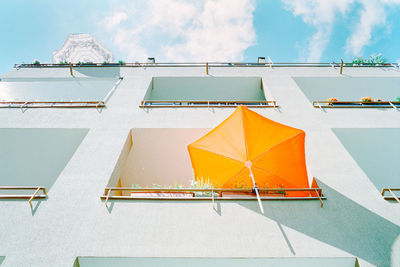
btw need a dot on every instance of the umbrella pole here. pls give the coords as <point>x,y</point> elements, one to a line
<point>256,190</point>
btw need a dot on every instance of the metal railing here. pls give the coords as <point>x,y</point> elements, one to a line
<point>356,104</point>
<point>30,197</point>
<point>61,104</point>
<point>52,104</point>
<point>205,104</point>
<point>210,194</point>
<point>393,195</point>
<point>206,64</point>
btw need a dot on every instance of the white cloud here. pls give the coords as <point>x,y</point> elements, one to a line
<point>372,15</point>
<point>182,30</point>
<point>113,20</point>
<point>323,14</point>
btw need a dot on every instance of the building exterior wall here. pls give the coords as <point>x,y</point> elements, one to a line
<point>355,220</point>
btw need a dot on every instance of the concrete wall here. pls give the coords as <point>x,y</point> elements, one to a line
<point>349,88</point>
<point>160,156</point>
<point>205,88</point>
<point>354,222</point>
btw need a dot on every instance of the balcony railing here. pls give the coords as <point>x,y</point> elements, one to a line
<point>98,104</point>
<point>392,194</point>
<point>204,64</point>
<point>209,194</point>
<point>356,104</point>
<point>205,104</point>
<point>30,197</point>
<point>51,104</point>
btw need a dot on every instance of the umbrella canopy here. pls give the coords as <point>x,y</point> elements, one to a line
<point>246,147</point>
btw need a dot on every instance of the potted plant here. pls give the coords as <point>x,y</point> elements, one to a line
<point>332,100</point>
<point>158,193</point>
<point>366,100</point>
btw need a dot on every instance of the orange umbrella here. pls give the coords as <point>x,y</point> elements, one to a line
<point>248,150</point>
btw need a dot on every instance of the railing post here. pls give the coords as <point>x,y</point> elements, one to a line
<point>393,195</point>
<point>207,68</point>
<point>320,200</point>
<point>393,105</point>
<point>212,196</point>
<point>341,66</point>
<point>33,196</point>
<point>108,195</point>
<point>70,69</point>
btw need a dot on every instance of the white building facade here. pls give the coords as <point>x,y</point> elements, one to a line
<point>79,134</point>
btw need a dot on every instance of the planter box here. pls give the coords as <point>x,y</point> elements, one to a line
<point>247,195</point>
<point>155,194</point>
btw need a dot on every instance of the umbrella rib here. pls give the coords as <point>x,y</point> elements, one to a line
<point>217,154</point>
<point>266,151</point>
<point>236,175</point>
<point>245,138</point>
<point>257,168</point>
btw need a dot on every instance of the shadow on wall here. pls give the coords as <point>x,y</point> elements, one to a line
<point>341,223</point>
<point>105,72</point>
<point>376,151</point>
<point>2,259</point>
<point>36,157</point>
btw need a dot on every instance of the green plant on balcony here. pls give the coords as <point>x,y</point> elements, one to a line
<point>397,99</point>
<point>121,62</point>
<point>202,184</point>
<point>36,62</point>
<point>377,59</point>
<point>332,100</point>
<point>136,186</point>
<point>366,99</point>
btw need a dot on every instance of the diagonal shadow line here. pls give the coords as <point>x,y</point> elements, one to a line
<point>286,238</point>
<point>35,206</point>
<point>341,223</point>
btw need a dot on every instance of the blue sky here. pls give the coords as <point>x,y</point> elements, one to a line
<point>210,30</point>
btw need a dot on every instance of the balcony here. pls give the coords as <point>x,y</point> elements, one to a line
<point>155,164</point>
<point>347,92</point>
<point>32,159</point>
<point>74,92</point>
<point>209,92</point>
<point>376,151</point>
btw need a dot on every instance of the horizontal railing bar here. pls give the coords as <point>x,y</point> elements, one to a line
<point>21,196</point>
<point>30,197</point>
<point>203,106</point>
<point>356,102</point>
<point>210,197</point>
<point>211,189</point>
<point>353,106</point>
<point>207,101</point>
<point>387,190</point>
<point>393,196</point>
<point>211,64</point>
<point>51,102</point>
<point>75,106</point>
<point>22,187</point>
